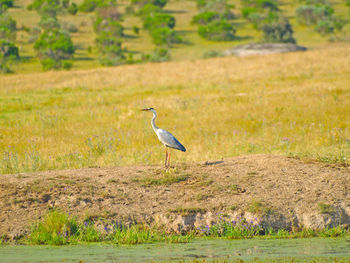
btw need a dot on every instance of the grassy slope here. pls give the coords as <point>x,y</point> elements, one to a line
<point>290,104</point>
<point>183,11</point>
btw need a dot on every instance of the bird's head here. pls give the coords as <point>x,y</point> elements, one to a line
<point>147,109</point>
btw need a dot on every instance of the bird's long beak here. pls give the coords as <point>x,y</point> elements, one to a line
<point>144,110</point>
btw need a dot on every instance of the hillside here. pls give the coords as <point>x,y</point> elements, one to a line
<point>192,47</point>
<point>273,190</point>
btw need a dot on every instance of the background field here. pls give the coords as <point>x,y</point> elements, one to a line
<point>193,47</point>
<point>294,104</point>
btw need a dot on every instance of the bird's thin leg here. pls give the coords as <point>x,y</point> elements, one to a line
<point>166,156</point>
<point>169,158</point>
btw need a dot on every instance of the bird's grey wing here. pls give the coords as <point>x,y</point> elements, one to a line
<point>169,140</point>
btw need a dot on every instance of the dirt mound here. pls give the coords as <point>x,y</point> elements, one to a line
<point>263,49</point>
<point>281,191</point>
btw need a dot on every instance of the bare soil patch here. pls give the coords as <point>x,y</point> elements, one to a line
<point>285,191</point>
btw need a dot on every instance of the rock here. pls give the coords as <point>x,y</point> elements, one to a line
<point>263,49</point>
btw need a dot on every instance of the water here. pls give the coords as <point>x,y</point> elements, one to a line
<point>243,249</point>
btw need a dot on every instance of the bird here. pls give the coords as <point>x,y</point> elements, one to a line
<point>165,137</point>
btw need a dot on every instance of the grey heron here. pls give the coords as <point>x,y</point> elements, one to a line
<point>165,137</point>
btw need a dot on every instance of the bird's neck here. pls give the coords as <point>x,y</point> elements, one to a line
<point>154,126</point>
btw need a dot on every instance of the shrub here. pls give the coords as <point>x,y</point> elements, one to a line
<point>148,10</point>
<point>160,55</point>
<point>65,3</point>
<point>219,6</point>
<point>108,25</point>
<point>110,49</point>
<point>160,3</point>
<point>55,45</point>
<point>8,50</point>
<point>48,23</point>
<point>73,8</point>
<point>91,5</point>
<point>280,32</point>
<point>165,36</point>
<point>136,30</point>
<point>158,20</point>
<point>220,30</point>
<point>329,26</point>
<point>311,15</point>
<point>46,7</point>
<point>69,27</point>
<point>6,3</point>
<point>205,18</point>
<point>7,27</point>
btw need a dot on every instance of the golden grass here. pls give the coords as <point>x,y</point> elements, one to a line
<point>291,104</point>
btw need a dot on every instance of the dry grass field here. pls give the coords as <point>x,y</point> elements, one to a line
<point>294,104</point>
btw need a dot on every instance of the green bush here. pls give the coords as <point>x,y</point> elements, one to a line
<point>48,22</point>
<point>219,30</point>
<point>280,32</point>
<point>205,18</point>
<point>148,10</point>
<point>69,27</point>
<point>6,3</point>
<point>110,49</point>
<point>73,8</point>
<point>7,27</point>
<point>247,11</point>
<point>91,5</point>
<point>160,3</point>
<point>158,20</point>
<point>165,36</point>
<point>109,25</point>
<point>46,7</point>
<point>8,50</point>
<point>329,26</point>
<point>55,45</point>
<point>65,3</point>
<point>218,6</point>
<point>312,15</point>
<point>136,30</point>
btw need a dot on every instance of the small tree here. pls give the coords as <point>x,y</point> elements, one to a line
<point>53,47</point>
<point>7,27</point>
<point>4,4</point>
<point>158,20</point>
<point>280,32</point>
<point>205,18</point>
<point>46,7</point>
<point>148,10</point>
<point>73,8</point>
<point>165,36</point>
<point>8,51</point>
<point>218,30</point>
<point>91,5</point>
<point>110,49</point>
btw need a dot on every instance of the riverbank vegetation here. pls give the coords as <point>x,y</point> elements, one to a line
<point>58,228</point>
